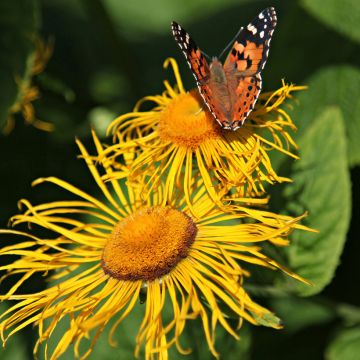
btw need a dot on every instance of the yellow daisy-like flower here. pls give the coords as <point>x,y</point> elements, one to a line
<point>179,139</point>
<point>124,245</point>
<point>28,92</point>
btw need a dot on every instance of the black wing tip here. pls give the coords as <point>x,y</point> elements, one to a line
<point>176,26</point>
<point>175,29</point>
<point>271,12</point>
<point>268,14</point>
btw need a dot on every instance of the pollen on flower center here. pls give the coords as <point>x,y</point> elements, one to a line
<point>186,121</point>
<point>148,244</point>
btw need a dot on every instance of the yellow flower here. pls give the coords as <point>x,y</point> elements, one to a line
<point>28,92</point>
<point>179,139</point>
<point>103,253</point>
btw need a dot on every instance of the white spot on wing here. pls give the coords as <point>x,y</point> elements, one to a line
<point>262,34</point>
<point>252,29</point>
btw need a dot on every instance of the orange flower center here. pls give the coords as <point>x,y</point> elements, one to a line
<point>148,244</point>
<point>186,121</point>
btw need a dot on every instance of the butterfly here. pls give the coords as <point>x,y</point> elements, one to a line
<point>230,91</point>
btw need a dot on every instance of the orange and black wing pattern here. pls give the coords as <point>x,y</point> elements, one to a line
<point>245,62</point>
<point>193,55</point>
<point>251,49</point>
<point>230,101</point>
<point>197,63</point>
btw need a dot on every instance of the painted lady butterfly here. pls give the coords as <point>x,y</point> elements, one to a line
<point>230,91</point>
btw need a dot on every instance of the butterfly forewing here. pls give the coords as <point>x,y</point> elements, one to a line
<point>194,57</point>
<point>198,65</point>
<point>250,51</point>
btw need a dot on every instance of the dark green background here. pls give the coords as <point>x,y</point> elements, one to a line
<point>108,54</point>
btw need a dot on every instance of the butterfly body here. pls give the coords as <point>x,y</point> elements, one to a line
<point>221,86</point>
<point>230,90</point>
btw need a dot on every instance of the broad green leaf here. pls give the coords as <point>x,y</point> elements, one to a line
<point>321,187</point>
<point>18,28</point>
<point>345,346</point>
<point>343,16</point>
<point>339,86</point>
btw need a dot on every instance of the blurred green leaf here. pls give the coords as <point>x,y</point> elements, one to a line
<point>309,312</point>
<point>338,86</point>
<point>349,313</point>
<point>15,347</point>
<point>107,85</point>
<point>99,119</point>
<point>343,16</point>
<point>156,15</point>
<point>321,187</point>
<point>345,346</point>
<point>19,22</point>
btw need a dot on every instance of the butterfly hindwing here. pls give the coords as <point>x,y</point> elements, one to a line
<point>247,91</point>
<point>251,49</point>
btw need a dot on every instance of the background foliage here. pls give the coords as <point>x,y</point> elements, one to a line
<point>109,53</point>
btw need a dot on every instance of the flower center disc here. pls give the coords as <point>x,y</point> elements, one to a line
<point>186,121</point>
<point>148,244</point>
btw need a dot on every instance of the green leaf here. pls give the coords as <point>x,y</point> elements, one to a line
<point>333,86</point>
<point>18,26</point>
<point>156,15</point>
<point>309,312</point>
<point>343,16</point>
<point>345,346</point>
<point>321,187</point>
<point>349,313</point>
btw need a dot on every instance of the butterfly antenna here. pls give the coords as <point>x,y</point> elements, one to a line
<point>206,55</point>
<point>230,43</point>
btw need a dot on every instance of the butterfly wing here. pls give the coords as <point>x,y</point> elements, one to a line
<point>242,68</point>
<point>244,63</point>
<point>247,90</point>
<point>192,53</point>
<point>198,65</point>
<point>251,50</point>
